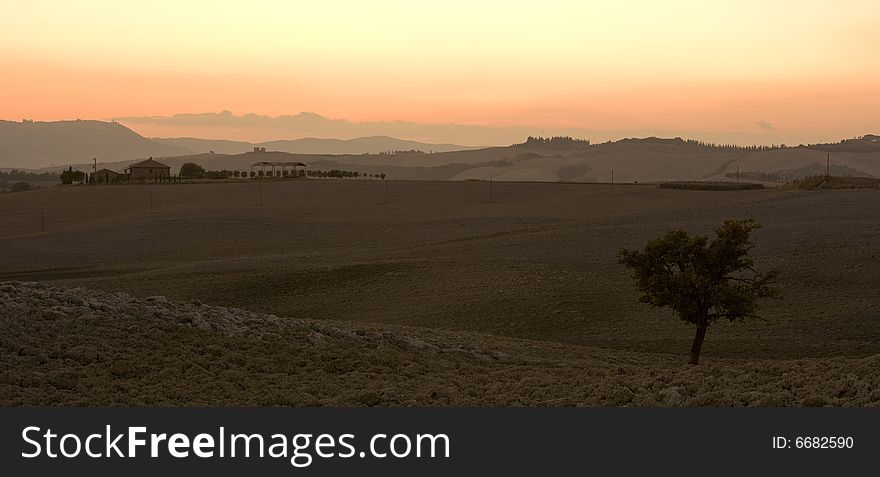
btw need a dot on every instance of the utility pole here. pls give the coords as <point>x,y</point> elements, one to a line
<point>828,167</point>
<point>491,193</point>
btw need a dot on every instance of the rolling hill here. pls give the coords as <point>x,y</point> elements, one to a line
<point>53,146</point>
<point>432,293</point>
<point>632,160</point>
<point>32,145</point>
<point>38,145</point>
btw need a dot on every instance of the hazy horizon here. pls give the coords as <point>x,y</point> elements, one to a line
<point>254,128</point>
<point>744,72</point>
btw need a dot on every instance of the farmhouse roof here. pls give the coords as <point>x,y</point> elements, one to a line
<point>148,163</point>
<point>104,171</point>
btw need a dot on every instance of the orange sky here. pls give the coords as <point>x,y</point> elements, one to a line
<point>805,73</point>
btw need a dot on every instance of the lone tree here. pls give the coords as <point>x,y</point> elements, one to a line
<point>191,170</point>
<point>70,176</point>
<point>702,280</point>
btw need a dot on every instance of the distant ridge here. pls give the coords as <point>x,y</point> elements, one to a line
<point>361,145</point>
<point>34,144</point>
<point>38,144</point>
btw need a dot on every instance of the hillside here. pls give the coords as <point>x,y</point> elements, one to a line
<point>34,145</point>
<point>42,145</point>
<point>60,346</point>
<point>631,161</point>
<point>533,260</point>
<point>835,182</point>
<point>520,291</point>
<point>198,146</point>
<point>537,159</point>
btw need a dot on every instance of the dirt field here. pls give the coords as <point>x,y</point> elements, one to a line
<point>536,262</point>
<point>79,347</point>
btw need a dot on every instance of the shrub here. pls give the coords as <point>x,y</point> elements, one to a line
<point>21,187</point>
<point>191,170</point>
<point>706,185</point>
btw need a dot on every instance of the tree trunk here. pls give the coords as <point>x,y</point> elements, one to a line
<point>698,341</point>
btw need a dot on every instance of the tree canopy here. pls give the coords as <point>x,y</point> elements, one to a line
<point>702,280</point>
<point>191,170</point>
<point>70,176</point>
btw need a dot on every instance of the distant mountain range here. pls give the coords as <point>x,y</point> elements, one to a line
<point>228,125</point>
<point>361,145</point>
<point>35,145</point>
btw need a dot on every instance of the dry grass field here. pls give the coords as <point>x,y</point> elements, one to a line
<point>537,262</point>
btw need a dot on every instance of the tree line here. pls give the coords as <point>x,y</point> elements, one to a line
<point>560,142</point>
<point>711,146</point>
<point>16,175</point>
<point>341,174</point>
<point>191,170</point>
<point>401,151</point>
<point>757,176</point>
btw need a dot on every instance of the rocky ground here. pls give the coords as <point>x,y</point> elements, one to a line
<point>73,346</point>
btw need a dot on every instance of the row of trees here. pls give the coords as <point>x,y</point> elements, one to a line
<point>756,176</point>
<point>400,151</point>
<point>16,175</point>
<point>191,170</point>
<point>341,174</point>
<point>558,142</point>
<point>711,146</point>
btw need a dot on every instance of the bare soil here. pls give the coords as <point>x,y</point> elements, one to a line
<point>79,347</point>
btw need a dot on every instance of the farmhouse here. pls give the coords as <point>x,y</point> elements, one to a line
<point>106,176</point>
<point>148,169</point>
<point>280,169</point>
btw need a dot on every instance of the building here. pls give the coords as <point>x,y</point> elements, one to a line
<point>259,149</point>
<point>278,169</point>
<point>106,176</point>
<point>148,169</point>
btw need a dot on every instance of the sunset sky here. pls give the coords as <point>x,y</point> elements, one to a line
<point>752,70</point>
